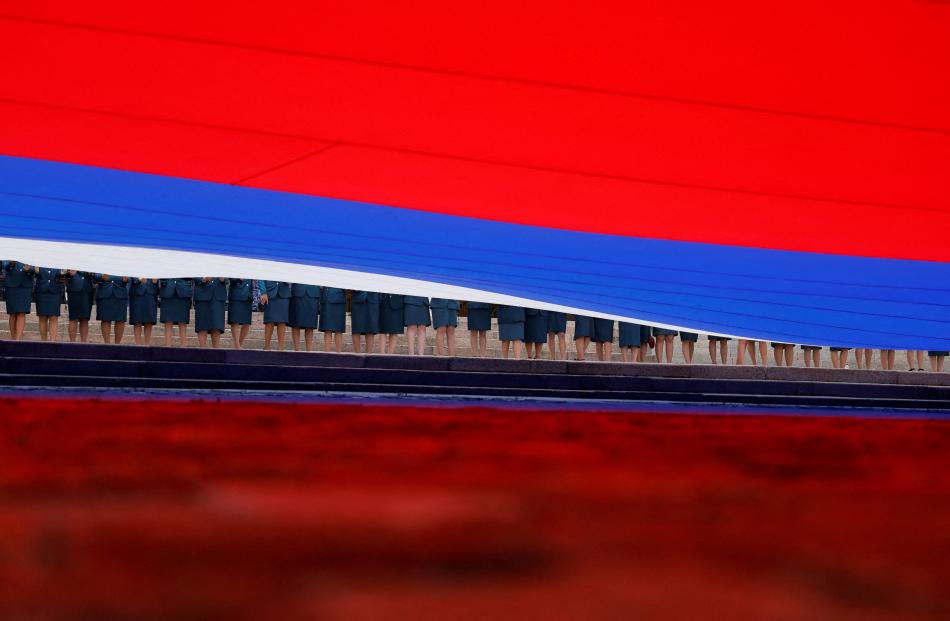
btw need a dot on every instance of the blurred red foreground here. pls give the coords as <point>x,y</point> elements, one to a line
<point>126,509</point>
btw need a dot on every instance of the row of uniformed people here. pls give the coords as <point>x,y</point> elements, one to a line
<point>305,308</point>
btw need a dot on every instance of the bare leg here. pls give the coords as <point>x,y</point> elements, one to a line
<point>450,335</point>
<point>740,352</point>
<point>106,328</point>
<point>119,331</point>
<point>168,334</point>
<point>608,351</point>
<point>669,347</point>
<point>581,346</point>
<point>295,338</point>
<point>421,335</point>
<point>72,329</point>
<point>441,342</point>
<point>505,346</point>
<point>182,335</point>
<point>84,330</point>
<point>473,341</point>
<point>689,348</point>
<point>308,339</point>
<point>268,334</point>
<point>44,327</point>
<point>517,348</point>
<point>202,339</point>
<point>712,352</point>
<point>235,336</point>
<point>216,338</point>
<point>137,330</point>
<point>644,352</point>
<point>411,338</point>
<point>54,328</point>
<point>483,343</point>
<point>789,356</point>
<point>281,336</point>
<point>147,335</point>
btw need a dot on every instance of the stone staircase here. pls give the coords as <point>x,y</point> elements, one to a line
<point>255,340</point>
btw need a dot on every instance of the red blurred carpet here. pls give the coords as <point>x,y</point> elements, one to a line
<point>191,509</point>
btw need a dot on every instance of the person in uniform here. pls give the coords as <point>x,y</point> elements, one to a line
<point>211,300</point>
<point>915,360</point>
<point>391,321</point>
<point>603,338</point>
<point>49,301</point>
<point>365,320</point>
<point>511,330</point>
<point>333,318</point>
<point>664,344</point>
<point>143,309</point>
<point>888,358</point>
<point>79,296</point>
<point>720,345</point>
<point>784,354</point>
<point>445,318</point>
<point>240,298</point>
<point>175,298</point>
<point>304,313</point>
<point>557,335</point>
<point>535,331</point>
<point>812,355</point>
<point>688,344</point>
<point>112,306</point>
<point>839,357</point>
<point>583,331</point>
<point>629,341</point>
<point>19,295</point>
<point>478,323</point>
<point>937,358</point>
<point>416,317</point>
<point>275,297</point>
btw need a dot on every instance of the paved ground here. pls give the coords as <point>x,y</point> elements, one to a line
<point>131,509</point>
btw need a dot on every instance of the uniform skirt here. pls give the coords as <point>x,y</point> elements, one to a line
<point>209,315</point>
<point>143,309</point>
<point>176,310</point>
<point>663,332</point>
<point>811,348</point>
<point>511,331</point>
<point>442,317</point>
<point>603,331</point>
<point>304,312</point>
<point>583,326</point>
<point>689,337</point>
<point>630,334</point>
<point>239,312</point>
<point>277,310</point>
<point>112,309</point>
<point>938,353</point>
<point>79,304</point>
<point>365,318</point>
<point>390,319</point>
<point>479,319</point>
<point>536,328</point>
<point>777,344</point>
<point>839,349</point>
<point>416,315</point>
<point>48,304</point>
<point>719,338</point>
<point>645,333</point>
<point>19,299</point>
<point>557,322</point>
<point>333,317</point>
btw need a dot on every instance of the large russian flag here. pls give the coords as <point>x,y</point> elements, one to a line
<point>777,170</point>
